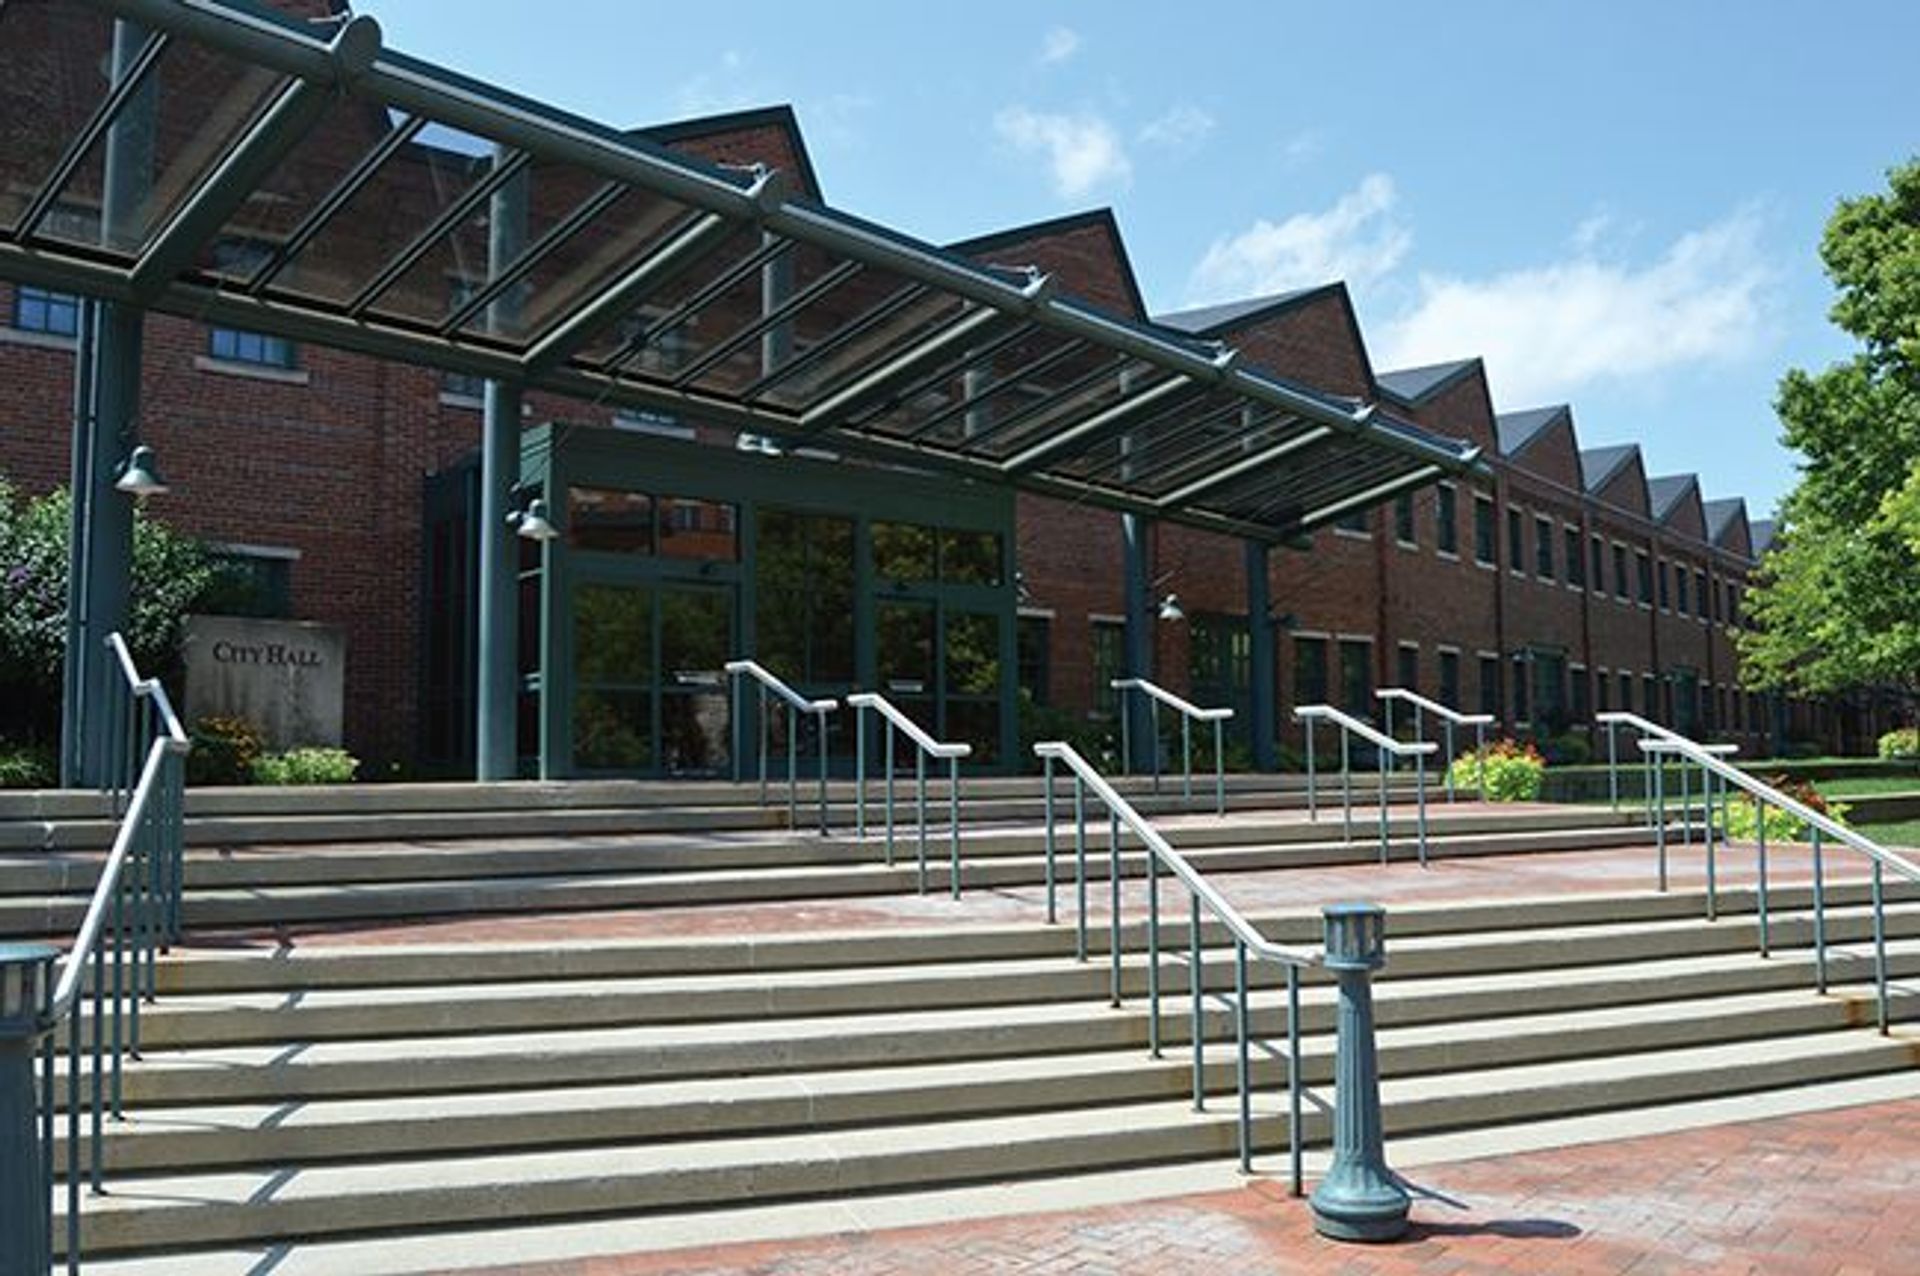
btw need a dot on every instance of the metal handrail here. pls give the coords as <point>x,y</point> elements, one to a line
<point>1821,827</point>
<point>133,915</point>
<point>926,746</point>
<point>797,704</point>
<point>1385,747</point>
<point>1246,937</point>
<point>1449,719</point>
<point>1190,713</point>
<point>1614,719</point>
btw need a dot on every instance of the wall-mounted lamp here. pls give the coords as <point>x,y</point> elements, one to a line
<point>1170,608</point>
<point>533,522</point>
<point>1021,594</point>
<point>1284,620</point>
<point>139,474</point>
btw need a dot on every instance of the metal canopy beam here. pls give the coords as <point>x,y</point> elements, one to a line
<point>227,189</point>
<point>1385,491</point>
<point>902,367</point>
<point>90,134</point>
<point>1115,419</point>
<point>566,338</point>
<point>1245,465</point>
<point>461,210</point>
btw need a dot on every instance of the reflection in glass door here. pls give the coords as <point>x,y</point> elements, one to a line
<point>696,631</point>
<point>650,692</point>
<point>904,664</point>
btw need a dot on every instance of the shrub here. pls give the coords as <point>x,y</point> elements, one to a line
<point>1901,745</point>
<point>26,766</point>
<point>305,766</point>
<point>1741,822</point>
<point>224,750</point>
<point>1513,771</point>
<point>1095,739</point>
<point>1568,749</point>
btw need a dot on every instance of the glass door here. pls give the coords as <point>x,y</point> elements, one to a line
<point>696,720</point>
<point>650,694</point>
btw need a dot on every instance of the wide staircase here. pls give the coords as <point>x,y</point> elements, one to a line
<point>353,1065</point>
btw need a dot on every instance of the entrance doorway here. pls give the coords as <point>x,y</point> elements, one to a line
<point>650,693</point>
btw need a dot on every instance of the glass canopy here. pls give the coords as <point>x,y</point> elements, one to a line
<point>221,160</point>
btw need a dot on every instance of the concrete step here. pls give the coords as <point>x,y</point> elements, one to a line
<point>290,1201</point>
<point>272,905</point>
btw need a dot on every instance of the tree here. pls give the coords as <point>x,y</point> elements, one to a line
<point>171,574</point>
<point>1837,604</point>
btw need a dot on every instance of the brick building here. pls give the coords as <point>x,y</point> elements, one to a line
<point>1564,582</point>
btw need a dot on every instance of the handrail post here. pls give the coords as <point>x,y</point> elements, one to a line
<point>1186,760</point>
<point>920,807</point>
<point>1447,726</point>
<point>1383,754</point>
<point>953,815</point>
<point>1080,866</point>
<point>793,769</point>
<point>1686,802</point>
<point>1243,1071</point>
<point>1420,803</point>
<point>26,996</point>
<point>1126,730</point>
<point>1660,820</point>
<point>1219,767</point>
<point>1153,953</point>
<point>1313,807</point>
<point>1760,842</point>
<point>1113,892</point>
<point>1613,766</point>
<point>891,760</point>
<point>1294,1133</point>
<point>1713,891</point>
<point>737,696</point>
<point>1880,942</point>
<point>766,739</point>
<point>859,773</point>
<point>1053,911</point>
<point>1153,710</point>
<point>820,718</point>
<point>1359,1199</point>
<point>1819,918</point>
<point>1197,990</point>
<point>1480,753</point>
<point>1346,785</point>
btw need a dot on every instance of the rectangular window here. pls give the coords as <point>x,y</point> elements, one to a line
<point>1109,658</point>
<point>1516,540</point>
<point>1700,600</point>
<point>1576,563</point>
<point>1407,669</point>
<point>1450,679</point>
<point>236,345</point>
<point>1626,693</point>
<point>38,310</point>
<point>1446,532</point>
<point>1582,708</point>
<point>1665,600</point>
<point>1543,548</point>
<point>1309,671</point>
<point>1033,642</point>
<point>1643,571</point>
<point>1520,705</point>
<point>1483,549</point>
<point>1599,566</point>
<point>1601,688</point>
<point>1620,572</point>
<point>1680,588</point>
<point>1356,677</point>
<point>1490,685</point>
<point>1733,603</point>
<point>1403,529</point>
<point>1650,695</point>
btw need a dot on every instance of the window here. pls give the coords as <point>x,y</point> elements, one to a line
<point>1033,643</point>
<point>1700,599</point>
<point>1664,573</point>
<point>1219,661</point>
<point>1450,679</point>
<point>1626,693</point>
<point>1490,685</point>
<point>1680,588</point>
<point>1650,696</point>
<point>1355,523</point>
<point>1407,668</point>
<point>1620,572</point>
<point>1576,564</point>
<point>1109,659</point>
<point>1483,550</point>
<point>1643,572</point>
<point>1356,677</point>
<point>1520,706</point>
<point>1733,603</point>
<point>1582,709</point>
<point>1446,533</point>
<point>1601,687</point>
<point>1516,540</point>
<point>250,583</point>
<point>1403,530</point>
<point>236,345</point>
<point>1543,548</point>
<point>1599,566</point>
<point>1309,671</point>
<point>54,313</point>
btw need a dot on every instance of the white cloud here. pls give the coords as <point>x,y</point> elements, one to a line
<point>1303,146</point>
<point>1058,45</point>
<point>1181,128</point>
<point>1082,150</point>
<point>1358,240</point>
<point>1547,330</point>
<point>726,87</point>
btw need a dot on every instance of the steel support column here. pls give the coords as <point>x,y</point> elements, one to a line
<point>105,429</point>
<point>496,745</point>
<point>1139,639</point>
<point>1262,705</point>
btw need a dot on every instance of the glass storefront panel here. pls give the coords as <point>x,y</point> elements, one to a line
<point>903,552</point>
<point>804,572</point>
<point>972,654</point>
<point>613,635</point>
<point>611,521</point>
<point>970,558</point>
<point>613,730</point>
<point>699,531</point>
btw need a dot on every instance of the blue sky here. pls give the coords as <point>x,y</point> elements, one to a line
<point>1617,204</point>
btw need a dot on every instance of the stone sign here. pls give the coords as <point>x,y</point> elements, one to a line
<point>287,678</point>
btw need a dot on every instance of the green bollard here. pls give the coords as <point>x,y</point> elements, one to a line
<point>1360,1199</point>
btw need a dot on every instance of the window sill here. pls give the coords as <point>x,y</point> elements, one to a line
<point>38,340</point>
<point>1446,556</point>
<point>252,371</point>
<point>471,402</point>
<point>1412,547</point>
<point>1347,533</point>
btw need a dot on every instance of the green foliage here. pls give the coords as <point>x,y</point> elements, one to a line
<point>1513,771</point>
<point>305,766</point>
<point>1838,599</point>
<point>1095,739</point>
<point>1901,744</point>
<point>26,766</point>
<point>1568,749</point>
<point>1742,820</point>
<point>170,574</point>
<point>224,750</point>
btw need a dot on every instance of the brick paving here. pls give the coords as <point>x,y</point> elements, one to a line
<point>1823,1194</point>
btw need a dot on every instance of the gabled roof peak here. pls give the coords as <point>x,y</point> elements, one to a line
<point>1518,430</point>
<point>1411,386</point>
<point>1206,320</point>
<point>1599,465</point>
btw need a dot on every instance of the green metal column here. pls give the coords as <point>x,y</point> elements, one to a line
<point>105,430</point>
<point>1139,636</point>
<point>1262,703</point>
<point>496,745</point>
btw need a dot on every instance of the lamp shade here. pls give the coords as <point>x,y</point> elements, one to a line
<point>534,524</point>
<point>140,474</point>
<point>1170,608</point>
